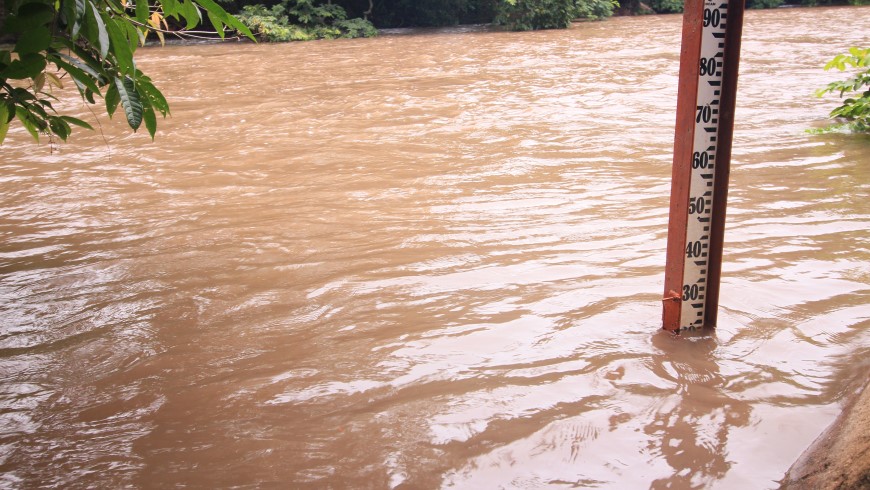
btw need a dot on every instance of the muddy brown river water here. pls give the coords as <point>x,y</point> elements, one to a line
<point>431,259</point>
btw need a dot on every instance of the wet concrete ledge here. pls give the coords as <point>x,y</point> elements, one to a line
<point>840,457</point>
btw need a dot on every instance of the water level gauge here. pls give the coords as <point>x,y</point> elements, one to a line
<point>702,151</point>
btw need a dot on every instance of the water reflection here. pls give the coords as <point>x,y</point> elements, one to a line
<point>691,427</point>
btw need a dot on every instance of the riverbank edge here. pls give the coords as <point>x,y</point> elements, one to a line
<point>840,457</point>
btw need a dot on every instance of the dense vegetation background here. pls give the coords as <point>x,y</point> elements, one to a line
<point>514,14</point>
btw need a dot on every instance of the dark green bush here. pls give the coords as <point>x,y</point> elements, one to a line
<point>431,13</point>
<point>666,6</point>
<point>594,9</point>
<point>526,15</point>
<point>763,4</point>
<point>302,20</point>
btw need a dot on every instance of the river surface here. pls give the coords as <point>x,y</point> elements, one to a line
<point>432,259</point>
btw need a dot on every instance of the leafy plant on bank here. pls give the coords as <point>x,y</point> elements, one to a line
<point>89,44</point>
<point>303,20</point>
<point>855,109</point>
<point>666,6</point>
<point>595,9</point>
<point>816,3</point>
<point>526,15</point>
<point>764,4</point>
<point>676,6</point>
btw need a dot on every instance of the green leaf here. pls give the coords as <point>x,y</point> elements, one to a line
<point>22,95</point>
<point>93,70</point>
<point>33,41</point>
<point>154,95</point>
<point>78,75</point>
<point>86,59</point>
<point>37,110</point>
<point>4,122</point>
<point>10,110</point>
<point>170,8</point>
<point>191,14</point>
<point>215,11</point>
<point>150,121</point>
<point>121,47</point>
<point>217,23</point>
<point>79,10</point>
<point>102,40</point>
<point>28,122</point>
<point>28,66</point>
<point>59,127</point>
<point>142,12</point>
<point>113,98</point>
<point>30,16</point>
<point>116,6</point>
<point>130,101</point>
<point>77,122</point>
<point>132,33</point>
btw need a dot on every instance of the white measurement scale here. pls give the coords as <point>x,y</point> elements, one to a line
<point>702,152</point>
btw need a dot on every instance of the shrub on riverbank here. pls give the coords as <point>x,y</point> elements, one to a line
<point>302,20</point>
<point>527,15</point>
<point>666,6</point>
<point>676,6</point>
<point>855,110</point>
<point>274,20</point>
<point>292,20</point>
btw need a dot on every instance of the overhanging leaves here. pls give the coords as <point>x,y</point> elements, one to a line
<point>142,12</point>
<point>122,47</point>
<point>80,77</point>
<point>150,121</point>
<point>112,100</point>
<point>28,66</point>
<point>30,16</point>
<point>102,36</point>
<point>215,12</point>
<point>77,122</point>
<point>29,122</point>
<point>93,43</point>
<point>4,122</point>
<point>154,96</point>
<point>33,41</point>
<point>130,101</point>
<point>190,13</point>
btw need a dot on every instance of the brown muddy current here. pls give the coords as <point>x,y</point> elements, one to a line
<point>431,259</point>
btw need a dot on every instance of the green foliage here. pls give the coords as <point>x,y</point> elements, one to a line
<point>595,9</point>
<point>303,20</point>
<point>90,43</point>
<point>763,4</point>
<point>428,13</point>
<point>666,6</point>
<point>815,3</point>
<point>271,24</point>
<point>525,15</point>
<point>431,13</point>
<point>356,28</point>
<point>855,110</point>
